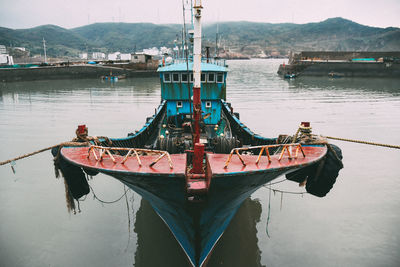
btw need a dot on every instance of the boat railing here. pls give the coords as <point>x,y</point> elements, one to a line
<point>101,150</point>
<point>285,147</point>
<point>215,61</point>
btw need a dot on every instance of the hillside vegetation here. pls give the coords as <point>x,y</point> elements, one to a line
<point>250,38</point>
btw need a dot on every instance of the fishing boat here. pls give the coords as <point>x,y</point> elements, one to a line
<point>194,161</point>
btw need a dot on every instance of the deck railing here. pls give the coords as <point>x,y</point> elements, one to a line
<point>101,150</point>
<point>285,147</point>
<point>219,62</point>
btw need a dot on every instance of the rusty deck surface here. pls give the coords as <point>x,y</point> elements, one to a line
<point>79,156</point>
<point>217,161</point>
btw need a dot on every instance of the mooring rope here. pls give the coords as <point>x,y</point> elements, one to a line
<point>268,186</point>
<point>42,150</point>
<point>362,142</point>
<point>285,192</point>
<point>27,155</point>
<point>72,143</point>
<point>108,202</point>
<point>269,213</point>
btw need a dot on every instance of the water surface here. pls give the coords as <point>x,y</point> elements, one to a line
<point>355,225</point>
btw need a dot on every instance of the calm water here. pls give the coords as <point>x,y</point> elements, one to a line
<point>355,225</point>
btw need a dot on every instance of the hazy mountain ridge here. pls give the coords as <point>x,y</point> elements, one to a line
<point>251,38</point>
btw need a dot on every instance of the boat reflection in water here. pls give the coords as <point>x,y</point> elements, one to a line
<point>154,238</point>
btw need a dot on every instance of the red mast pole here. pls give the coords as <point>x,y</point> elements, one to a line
<point>196,114</point>
<point>197,147</point>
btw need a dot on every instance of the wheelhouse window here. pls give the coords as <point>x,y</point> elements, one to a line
<point>179,104</point>
<point>211,77</point>
<point>167,77</point>
<point>208,104</point>
<point>203,77</point>
<point>220,77</point>
<point>191,77</point>
<point>184,77</point>
<point>176,78</point>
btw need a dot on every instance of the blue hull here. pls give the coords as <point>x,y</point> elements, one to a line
<point>197,226</point>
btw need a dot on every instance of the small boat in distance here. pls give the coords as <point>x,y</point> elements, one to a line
<point>333,74</point>
<point>113,77</point>
<point>290,75</point>
<point>194,160</point>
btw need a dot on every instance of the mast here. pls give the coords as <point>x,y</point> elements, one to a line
<point>198,148</point>
<point>197,70</point>
<point>185,55</point>
<point>216,42</point>
<point>44,48</point>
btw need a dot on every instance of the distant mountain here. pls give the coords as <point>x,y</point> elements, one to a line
<point>125,36</point>
<point>250,38</point>
<point>336,34</point>
<point>59,41</point>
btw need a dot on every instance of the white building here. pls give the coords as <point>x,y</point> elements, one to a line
<point>5,59</point>
<point>118,56</point>
<point>140,58</point>
<point>98,55</point>
<point>125,56</point>
<point>113,56</point>
<point>152,51</point>
<point>3,49</point>
<point>83,56</point>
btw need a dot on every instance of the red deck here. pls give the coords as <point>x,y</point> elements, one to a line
<point>217,161</point>
<point>78,156</point>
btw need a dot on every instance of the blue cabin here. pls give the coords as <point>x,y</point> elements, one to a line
<point>177,84</point>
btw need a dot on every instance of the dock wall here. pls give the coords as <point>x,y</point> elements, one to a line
<point>343,55</point>
<point>68,72</point>
<point>345,69</point>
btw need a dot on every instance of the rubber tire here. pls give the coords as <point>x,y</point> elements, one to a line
<point>321,185</point>
<point>73,175</point>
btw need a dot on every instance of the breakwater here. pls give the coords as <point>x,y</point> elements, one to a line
<point>68,72</point>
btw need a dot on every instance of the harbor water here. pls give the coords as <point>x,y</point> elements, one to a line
<point>356,224</point>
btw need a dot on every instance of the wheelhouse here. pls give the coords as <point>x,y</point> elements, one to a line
<point>177,85</point>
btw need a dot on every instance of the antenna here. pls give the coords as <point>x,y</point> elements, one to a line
<point>216,41</point>
<point>44,48</point>
<point>191,12</point>
<point>183,43</point>
<point>185,51</point>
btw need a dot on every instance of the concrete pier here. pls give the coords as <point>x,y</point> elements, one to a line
<point>68,72</point>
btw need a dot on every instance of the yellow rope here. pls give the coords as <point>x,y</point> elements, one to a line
<point>42,150</point>
<point>81,139</point>
<point>362,142</point>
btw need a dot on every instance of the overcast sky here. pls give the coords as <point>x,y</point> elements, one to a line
<point>19,14</point>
